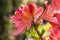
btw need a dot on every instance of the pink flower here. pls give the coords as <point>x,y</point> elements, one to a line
<point>48,13</point>
<point>55,33</point>
<point>55,4</point>
<point>52,15</point>
<point>54,19</point>
<point>58,19</point>
<point>24,16</point>
<point>55,30</point>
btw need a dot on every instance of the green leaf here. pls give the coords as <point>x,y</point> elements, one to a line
<point>47,26</point>
<point>42,32</point>
<point>33,33</point>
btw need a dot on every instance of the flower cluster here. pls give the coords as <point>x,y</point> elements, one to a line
<point>25,16</point>
<point>55,22</point>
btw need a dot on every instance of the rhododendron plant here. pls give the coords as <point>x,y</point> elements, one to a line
<point>55,33</point>
<point>52,15</point>
<point>25,16</point>
<point>30,14</point>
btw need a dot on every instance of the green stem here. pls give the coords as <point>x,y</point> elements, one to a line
<point>38,33</point>
<point>36,28</point>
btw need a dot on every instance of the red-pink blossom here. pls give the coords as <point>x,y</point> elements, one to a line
<point>55,33</point>
<point>52,15</point>
<point>24,16</point>
<point>55,4</point>
<point>48,13</point>
<point>55,30</point>
<point>57,15</point>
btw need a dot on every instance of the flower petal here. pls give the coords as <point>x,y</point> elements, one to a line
<point>56,24</point>
<point>38,13</point>
<point>55,3</point>
<point>55,33</point>
<point>19,30</point>
<point>32,7</point>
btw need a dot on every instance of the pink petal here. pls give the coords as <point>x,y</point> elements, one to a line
<point>15,19</point>
<point>46,12</point>
<point>38,13</point>
<point>28,26</point>
<point>55,33</point>
<point>57,22</point>
<point>40,21</point>
<point>57,15</point>
<point>19,30</point>
<point>55,3</point>
<point>32,7</point>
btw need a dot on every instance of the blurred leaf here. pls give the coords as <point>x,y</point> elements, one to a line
<point>42,32</point>
<point>33,33</point>
<point>47,26</point>
<point>46,35</point>
<point>40,28</point>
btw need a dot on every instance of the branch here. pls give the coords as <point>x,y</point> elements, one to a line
<point>35,27</point>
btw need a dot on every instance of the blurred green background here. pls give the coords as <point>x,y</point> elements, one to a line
<point>7,8</point>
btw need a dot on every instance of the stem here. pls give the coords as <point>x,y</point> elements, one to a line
<point>38,32</point>
<point>35,27</point>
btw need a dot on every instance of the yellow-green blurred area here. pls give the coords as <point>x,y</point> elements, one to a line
<point>7,8</point>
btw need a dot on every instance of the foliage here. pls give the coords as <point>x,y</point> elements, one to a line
<point>29,20</point>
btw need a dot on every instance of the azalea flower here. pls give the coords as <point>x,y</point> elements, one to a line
<point>25,16</point>
<point>55,30</point>
<point>55,4</point>
<point>49,13</point>
<point>57,15</point>
<point>55,33</point>
<point>52,12</point>
<point>54,20</point>
<point>52,15</point>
